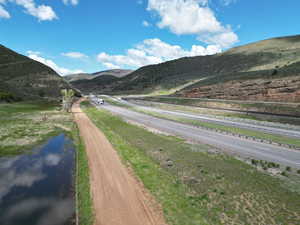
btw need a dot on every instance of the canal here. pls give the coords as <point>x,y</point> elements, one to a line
<point>37,187</point>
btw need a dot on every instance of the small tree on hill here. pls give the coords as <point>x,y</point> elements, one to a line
<point>67,97</point>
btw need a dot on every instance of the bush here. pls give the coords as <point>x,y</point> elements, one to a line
<point>5,96</point>
<point>283,173</point>
<point>254,162</point>
<point>288,168</point>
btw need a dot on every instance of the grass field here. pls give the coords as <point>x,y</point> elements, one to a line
<point>195,186</point>
<point>276,108</point>
<point>234,130</point>
<point>210,111</point>
<point>24,125</point>
<point>84,200</point>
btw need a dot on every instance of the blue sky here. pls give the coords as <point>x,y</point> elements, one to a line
<point>84,35</point>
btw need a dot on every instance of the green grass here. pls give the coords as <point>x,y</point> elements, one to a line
<point>195,105</point>
<point>200,187</point>
<point>276,108</point>
<point>234,130</point>
<point>24,125</point>
<point>84,201</point>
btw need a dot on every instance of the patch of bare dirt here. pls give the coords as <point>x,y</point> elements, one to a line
<point>118,197</point>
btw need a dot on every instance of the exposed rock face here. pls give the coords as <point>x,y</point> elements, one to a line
<point>280,89</point>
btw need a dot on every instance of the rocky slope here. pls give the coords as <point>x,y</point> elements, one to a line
<point>22,78</point>
<point>266,70</point>
<point>278,79</point>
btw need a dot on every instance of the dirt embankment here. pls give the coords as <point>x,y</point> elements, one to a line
<point>118,198</point>
<point>281,90</point>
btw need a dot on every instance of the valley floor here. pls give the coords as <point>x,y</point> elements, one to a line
<point>195,183</point>
<point>24,125</point>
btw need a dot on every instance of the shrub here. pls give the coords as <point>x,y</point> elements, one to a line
<point>5,96</point>
<point>288,168</point>
<point>283,173</point>
<point>254,162</point>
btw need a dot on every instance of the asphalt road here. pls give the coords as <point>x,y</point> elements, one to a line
<point>254,127</point>
<point>241,147</point>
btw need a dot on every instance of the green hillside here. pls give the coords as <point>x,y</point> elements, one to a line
<point>258,59</point>
<point>22,78</point>
<point>272,66</point>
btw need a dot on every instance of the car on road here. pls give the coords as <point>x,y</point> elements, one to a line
<point>100,101</point>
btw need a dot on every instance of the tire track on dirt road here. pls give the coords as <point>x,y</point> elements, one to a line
<point>118,198</point>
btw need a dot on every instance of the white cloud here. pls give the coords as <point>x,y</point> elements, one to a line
<point>111,65</point>
<point>193,17</point>
<point>60,70</point>
<point>228,2</point>
<point>75,55</point>
<point>146,23</point>
<point>42,12</point>
<point>72,2</point>
<point>3,13</point>
<point>153,51</point>
<point>52,159</point>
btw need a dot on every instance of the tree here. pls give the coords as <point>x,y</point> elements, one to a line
<point>67,97</point>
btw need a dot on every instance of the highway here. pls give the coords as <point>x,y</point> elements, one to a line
<point>225,122</point>
<point>233,145</point>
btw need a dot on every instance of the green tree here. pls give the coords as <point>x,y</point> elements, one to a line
<point>67,97</point>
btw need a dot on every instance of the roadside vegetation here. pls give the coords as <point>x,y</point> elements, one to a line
<point>24,125</point>
<point>291,109</point>
<point>216,112</point>
<point>84,204</point>
<point>234,130</point>
<point>196,185</point>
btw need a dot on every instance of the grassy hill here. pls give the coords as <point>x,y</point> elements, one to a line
<point>95,82</point>
<point>22,78</point>
<point>115,72</point>
<point>249,69</point>
<point>98,84</point>
<point>78,76</point>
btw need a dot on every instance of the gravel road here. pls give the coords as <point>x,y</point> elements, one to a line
<point>118,198</point>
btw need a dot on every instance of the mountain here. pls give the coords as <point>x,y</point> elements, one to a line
<point>78,76</point>
<point>274,74</point>
<point>98,81</point>
<point>22,78</point>
<point>267,70</point>
<point>88,76</point>
<point>115,72</point>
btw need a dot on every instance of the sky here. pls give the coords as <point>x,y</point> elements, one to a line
<point>74,36</point>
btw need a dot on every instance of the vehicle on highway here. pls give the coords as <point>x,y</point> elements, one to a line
<point>100,101</point>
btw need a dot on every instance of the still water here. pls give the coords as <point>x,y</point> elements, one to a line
<point>37,188</point>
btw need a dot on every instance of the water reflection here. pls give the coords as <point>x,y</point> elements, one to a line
<point>35,189</point>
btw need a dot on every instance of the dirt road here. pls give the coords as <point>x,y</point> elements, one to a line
<point>118,198</point>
